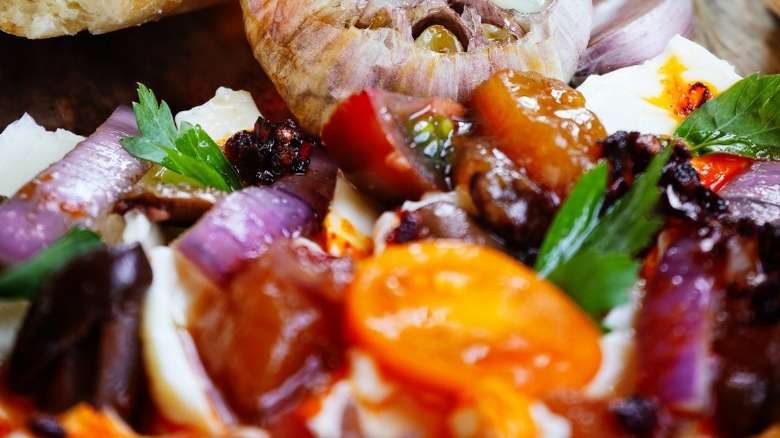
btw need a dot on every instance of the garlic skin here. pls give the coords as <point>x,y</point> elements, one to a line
<point>319,52</point>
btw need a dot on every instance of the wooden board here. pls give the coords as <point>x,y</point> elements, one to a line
<point>75,82</point>
<point>744,32</point>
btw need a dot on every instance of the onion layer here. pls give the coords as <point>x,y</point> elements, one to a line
<point>243,225</point>
<point>674,330</point>
<point>75,190</point>
<point>629,32</point>
<point>756,193</point>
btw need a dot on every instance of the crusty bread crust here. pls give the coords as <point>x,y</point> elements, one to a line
<point>774,5</point>
<point>316,58</point>
<point>50,18</point>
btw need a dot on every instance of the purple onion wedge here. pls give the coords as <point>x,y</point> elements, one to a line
<point>674,329</point>
<point>756,193</point>
<point>316,186</point>
<point>243,225</point>
<point>74,191</point>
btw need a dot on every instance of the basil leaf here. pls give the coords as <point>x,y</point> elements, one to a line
<point>574,221</point>
<point>598,282</point>
<point>24,281</point>
<point>717,141</point>
<point>592,259</point>
<point>188,151</point>
<point>744,120</point>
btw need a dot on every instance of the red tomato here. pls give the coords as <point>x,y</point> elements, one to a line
<point>716,170</point>
<point>391,146</point>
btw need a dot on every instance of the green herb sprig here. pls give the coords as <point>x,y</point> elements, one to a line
<point>188,151</point>
<point>23,281</point>
<point>744,120</point>
<point>592,258</point>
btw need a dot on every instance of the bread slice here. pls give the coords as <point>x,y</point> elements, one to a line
<point>50,18</point>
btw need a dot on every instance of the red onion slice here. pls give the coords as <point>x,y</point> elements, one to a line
<point>629,32</point>
<point>756,193</point>
<point>674,329</point>
<point>243,225</point>
<point>316,186</point>
<point>75,190</point>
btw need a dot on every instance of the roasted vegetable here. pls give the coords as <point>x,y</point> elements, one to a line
<point>391,146</point>
<point>79,341</point>
<point>319,52</point>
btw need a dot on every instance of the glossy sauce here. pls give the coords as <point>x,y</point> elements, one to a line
<point>542,125</point>
<point>267,338</point>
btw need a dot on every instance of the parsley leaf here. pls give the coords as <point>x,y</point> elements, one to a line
<point>593,259</point>
<point>744,120</point>
<point>188,151</point>
<point>24,281</point>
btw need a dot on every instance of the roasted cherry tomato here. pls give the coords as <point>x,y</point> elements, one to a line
<point>541,124</point>
<point>452,317</point>
<point>716,170</point>
<point>391,146</point>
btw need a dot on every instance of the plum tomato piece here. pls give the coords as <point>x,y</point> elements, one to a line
<point>478,318</point>
<point>541,124</point>
<point>273,334</point>
<point>391,146</point>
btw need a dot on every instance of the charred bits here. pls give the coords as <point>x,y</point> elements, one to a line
<point>79,341</point>
<point>271,151</point>
<point>629,154</point>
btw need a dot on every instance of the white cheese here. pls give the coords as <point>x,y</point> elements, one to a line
<point>354,206</point>
<point>620,99</point>
<point>26,149</point>
<point>225,114</point>
<point>138,228</point>
<point>177,382</point>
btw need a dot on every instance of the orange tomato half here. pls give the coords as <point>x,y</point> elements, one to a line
<point>452,316</point>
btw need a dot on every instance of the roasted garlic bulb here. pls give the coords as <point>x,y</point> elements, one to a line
<point>318,52</point>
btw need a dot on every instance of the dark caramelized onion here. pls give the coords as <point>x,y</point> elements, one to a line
<point>746,385</point>
<point>79,341</point>
<point>440,220</point>
<point>629,154</point>
<point>637,415</point>
<point>509,203</point>
<point>270,151</point>
<point>708,335</point>
<point>274,332</point>
<point>174,204</point>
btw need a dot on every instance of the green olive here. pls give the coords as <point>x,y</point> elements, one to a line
<point>431,135</point>
<point>439,39</point>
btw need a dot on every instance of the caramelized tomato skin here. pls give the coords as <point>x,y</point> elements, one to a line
<point>273,333</point>
<point>541,124</point>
